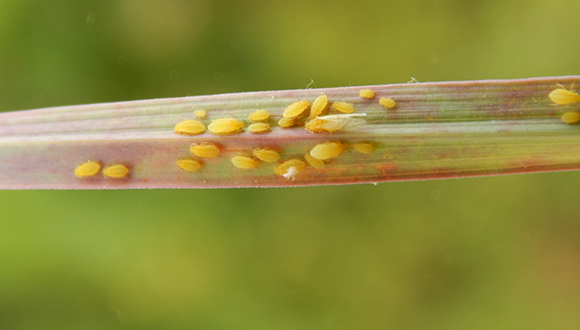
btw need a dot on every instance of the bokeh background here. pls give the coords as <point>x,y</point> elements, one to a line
<point>483,253</point>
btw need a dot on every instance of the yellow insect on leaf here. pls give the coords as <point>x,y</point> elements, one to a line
<point>364,147</point>
<point>190,127</point>
<point>116,171</point>
<point>205,150</point>
<point>318,106</point>
<point>314,162</point>
<point>367,93</point>
<point>296,109</point>
<point>87,169</point>
<point>335,123</point>
<point>387,102</point>
<point>343,107</point>
<point>259,128</point>
<point>290,168</point>
<point>287,122</point>
<point>259,115</point>
<point>562,96</point>
<point>188,165</point>
<point>327,150</point>
<point>244,162</point>
<point>571,117</point>
<point>225,126</point>
<point>201,114</point>
<point>266,155</point>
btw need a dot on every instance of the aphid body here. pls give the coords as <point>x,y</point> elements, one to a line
<point>244,162</point>
<point>190,127</point>
<point>387,102</point>
<point>259,115</point>
<point>116,171</point>
<point>315,162</point>
<point>287,122</point>
<point>343,107</point>
<point>87,169</point>
<point>225,126</point>
<point>364,147</point>
<point>188,165</point>
<point>266,155</point>
<point>571,117</point>
<point>327,150</point>
<point>201,114</point>
<point>335,123</point>
<point>366,93</point>
<point>296,109</point>
<point>290,168</point>
<point>562,96</point>
<point>259,128</point>
<point>318,106</point>
<point>205,150</point>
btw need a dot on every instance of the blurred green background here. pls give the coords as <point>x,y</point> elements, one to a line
<point>484,253</point>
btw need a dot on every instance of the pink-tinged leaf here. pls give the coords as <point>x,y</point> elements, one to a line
<point>412,131</point>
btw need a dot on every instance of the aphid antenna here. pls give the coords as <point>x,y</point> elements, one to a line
<point>311,83</point>
<point>564,87</point>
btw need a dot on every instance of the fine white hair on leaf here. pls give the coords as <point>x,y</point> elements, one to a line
<point>343,115</point>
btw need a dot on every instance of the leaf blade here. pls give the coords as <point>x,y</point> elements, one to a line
<point>436,130</point>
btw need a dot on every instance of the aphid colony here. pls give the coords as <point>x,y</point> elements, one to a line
<point>318,122</point>
<point>562,96</point>
<point>92,168</point>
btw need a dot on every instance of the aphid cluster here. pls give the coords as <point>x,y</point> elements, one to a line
<point>313,116</point>
<point>562,96</point>
<point>92,168</point>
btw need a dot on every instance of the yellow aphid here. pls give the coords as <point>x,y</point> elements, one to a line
<point>315,162</point>
<point>266,155</point>
<point>259,115</point>
<point>387,102</point>
<point>225,126</point>
<point>190,127</point>
<point>259,128</point>
<point>201,114</point>
<point>89,168</point>
<point>318,106</point>
<point>189,165</point>
<point>327,150</point>
<point>364,147</point>
<point>290,168</point>
<point>244,162</point>
<point>335,123</point>
<point>366,93</point>
<point>562,96</point>
<point>287,122</point>
<point>571,117</point>
<point>205,150</point>
<point>115,171</point>
<point>343,107</point>
<point>296,109</point>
